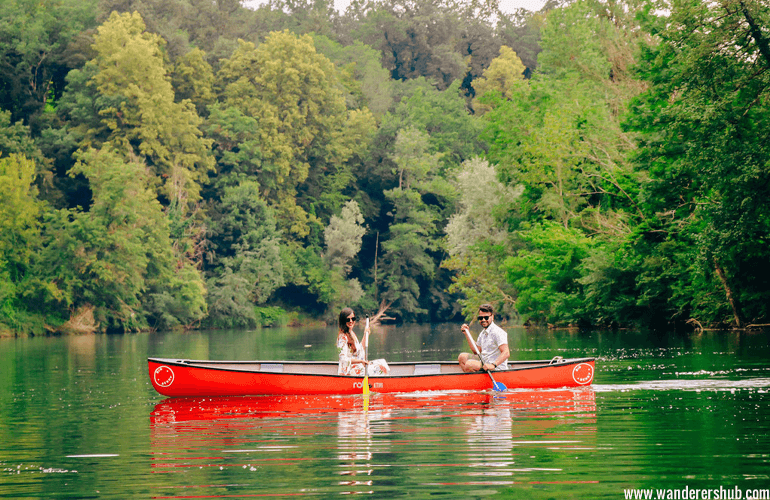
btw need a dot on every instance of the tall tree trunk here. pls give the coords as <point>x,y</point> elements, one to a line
<point>376,251</point>
<point>728,291</point>
<point>756,33</point>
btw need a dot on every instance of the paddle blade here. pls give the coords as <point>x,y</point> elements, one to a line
<point>499,387</point>
<point>366,385</point>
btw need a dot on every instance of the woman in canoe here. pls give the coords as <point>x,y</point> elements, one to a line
<point>352,356</point>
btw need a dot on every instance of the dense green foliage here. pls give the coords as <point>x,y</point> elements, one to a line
<point>186,163</point>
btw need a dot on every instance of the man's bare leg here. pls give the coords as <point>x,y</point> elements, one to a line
<point>468,364</point>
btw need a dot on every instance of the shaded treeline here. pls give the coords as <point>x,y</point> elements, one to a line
<point>190,163</point>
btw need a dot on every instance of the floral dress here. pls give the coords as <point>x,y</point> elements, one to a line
<point>346,366</point>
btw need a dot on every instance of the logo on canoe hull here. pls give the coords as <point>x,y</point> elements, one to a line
<point>583,374</point>
<point>164,376</point>
<point>372,385</point>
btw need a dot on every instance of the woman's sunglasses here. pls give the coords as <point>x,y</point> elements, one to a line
<point>352,320</point>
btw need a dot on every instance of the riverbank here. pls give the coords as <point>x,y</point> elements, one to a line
<point>83,322</point>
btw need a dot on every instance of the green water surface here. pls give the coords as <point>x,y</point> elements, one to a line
<point>79,419</point>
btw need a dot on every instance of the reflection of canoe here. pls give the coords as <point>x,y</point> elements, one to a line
<point>291,438</point>
<point>235,407</point>
<point>534,402</point>
<point>180,378</point>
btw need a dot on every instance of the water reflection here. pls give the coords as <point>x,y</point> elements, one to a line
<point>527,420</point>
<point>356,446</point>
<point>344,444</point>
<point>491,435</point>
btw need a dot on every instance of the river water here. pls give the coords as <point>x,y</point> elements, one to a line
<point>686,414</point>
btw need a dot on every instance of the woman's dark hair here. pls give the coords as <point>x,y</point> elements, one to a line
<point>344,319</point>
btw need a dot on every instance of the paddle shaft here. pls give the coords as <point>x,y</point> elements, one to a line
<point>365,384</point>
<point>495,385</point>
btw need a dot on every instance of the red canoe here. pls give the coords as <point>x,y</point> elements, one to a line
<point>188,378</point>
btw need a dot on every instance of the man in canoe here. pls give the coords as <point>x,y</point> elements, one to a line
<point>492,343</point>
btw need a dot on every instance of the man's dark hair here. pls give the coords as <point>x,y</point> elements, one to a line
<point>487,308</point>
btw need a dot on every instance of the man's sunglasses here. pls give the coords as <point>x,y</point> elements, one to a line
<point>484,318</point>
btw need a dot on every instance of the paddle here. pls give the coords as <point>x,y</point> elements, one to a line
<point>497,386</point>
<point>366,355</point>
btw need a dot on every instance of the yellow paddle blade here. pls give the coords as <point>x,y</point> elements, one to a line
<point>366,385</point>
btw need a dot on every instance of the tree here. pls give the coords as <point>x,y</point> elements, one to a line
<point>17,139</point>
<point>193,80</point>
<point>292,94</point>
<point>306,16</point>
<point>343,236</point>
<point>326,189</point>
<point>443,115</point>
<point>520,31</point>
<point>559,137</point>
<point>213,27</point>
<point>20,238</point>
<point>479,44</point>
<point>572,42</point>
<point>477,239</point>
<point>594,44</point>
<point>502,74</point>
<point>343,242</point>
<point>416,39</point>
<point>245,260</point>
<point>19,213</point>
<point>408,261</point>
<point>117,258</point>
<point>367,84</point>
<point>124,98</point>
<point>483,201</point>
<point>35,38</point>
<point>704,144</point>
<point>547,275</point>
<point>559,134</point>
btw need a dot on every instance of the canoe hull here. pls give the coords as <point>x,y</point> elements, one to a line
<point>186,378</point>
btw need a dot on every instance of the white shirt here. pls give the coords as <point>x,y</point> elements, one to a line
<point>489,341</point>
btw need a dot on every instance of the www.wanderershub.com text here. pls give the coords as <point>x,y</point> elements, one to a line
<point>687,493</point>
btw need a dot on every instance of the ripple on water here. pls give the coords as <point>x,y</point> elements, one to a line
<point>682,384</point>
